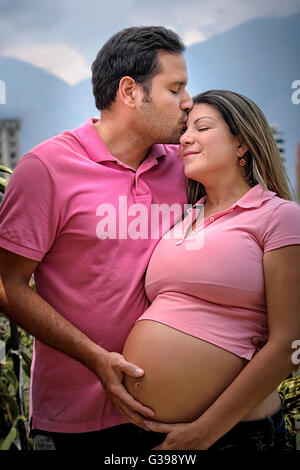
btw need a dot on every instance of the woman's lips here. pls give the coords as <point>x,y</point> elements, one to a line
<point>188,154</point>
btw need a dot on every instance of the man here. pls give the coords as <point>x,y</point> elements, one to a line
<point>89,270</point>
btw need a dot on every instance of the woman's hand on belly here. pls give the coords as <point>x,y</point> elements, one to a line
<point>181,436</point>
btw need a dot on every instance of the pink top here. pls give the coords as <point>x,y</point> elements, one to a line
<point>81,213</point>
<point>211,284</point>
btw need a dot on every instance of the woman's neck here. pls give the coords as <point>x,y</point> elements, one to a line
<point>222,196</point>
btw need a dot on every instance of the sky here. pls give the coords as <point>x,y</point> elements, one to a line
<point>64,36</point>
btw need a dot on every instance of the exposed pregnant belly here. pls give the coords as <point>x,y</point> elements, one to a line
<point>183,375</point>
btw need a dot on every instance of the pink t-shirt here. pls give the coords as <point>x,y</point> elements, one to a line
<point>210,284</point>
<point>87,218</point>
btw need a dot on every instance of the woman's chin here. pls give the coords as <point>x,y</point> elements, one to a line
<point>193,175</point>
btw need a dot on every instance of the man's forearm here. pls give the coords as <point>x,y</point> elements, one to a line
<point>24,306</point>
<point>32,313</point>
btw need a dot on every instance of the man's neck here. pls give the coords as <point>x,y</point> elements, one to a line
<point>126,146</point>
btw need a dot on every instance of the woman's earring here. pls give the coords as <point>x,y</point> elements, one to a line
<point>243,162</point>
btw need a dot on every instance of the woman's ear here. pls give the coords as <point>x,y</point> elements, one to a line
<point>128,91</point>
<point>242,149</point>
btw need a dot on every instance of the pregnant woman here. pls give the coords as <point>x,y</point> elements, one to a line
<point>229,271</point>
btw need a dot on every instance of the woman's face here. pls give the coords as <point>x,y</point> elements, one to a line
<point>207,147</point>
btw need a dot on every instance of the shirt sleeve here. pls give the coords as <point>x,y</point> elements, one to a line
<point>283,227</point>
<point>29,210</point>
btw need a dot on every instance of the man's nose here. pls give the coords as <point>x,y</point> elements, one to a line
<point>187,102</point>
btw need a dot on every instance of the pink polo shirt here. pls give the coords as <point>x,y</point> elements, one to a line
<point>87,218</point>
<point>210,284</point>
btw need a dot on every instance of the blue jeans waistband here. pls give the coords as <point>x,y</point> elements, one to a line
<point>261,424</point>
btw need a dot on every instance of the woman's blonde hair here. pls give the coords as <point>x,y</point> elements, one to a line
<point>247,121</point>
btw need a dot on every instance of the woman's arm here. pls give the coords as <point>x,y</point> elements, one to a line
<point>265,371</point>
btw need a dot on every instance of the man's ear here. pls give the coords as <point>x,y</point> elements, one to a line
<point>128,91</point>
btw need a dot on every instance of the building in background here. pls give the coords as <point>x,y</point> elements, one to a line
<point>9,142</point>
<point>280,141</point>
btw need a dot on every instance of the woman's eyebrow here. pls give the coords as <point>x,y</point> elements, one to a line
<point>203,117</point>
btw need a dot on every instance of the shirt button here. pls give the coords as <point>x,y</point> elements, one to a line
<point>211,219</point>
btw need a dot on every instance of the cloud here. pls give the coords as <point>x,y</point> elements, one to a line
<point>71,20</point>
<point>64,36</point>
<point>198,20</point>
<point>59,59</point>
<point>193,36</point>
<point>19,19</point>
<point>60,36</point>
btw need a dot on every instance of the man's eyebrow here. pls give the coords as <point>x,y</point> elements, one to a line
<point>180,82</point>
<point>203,117</point>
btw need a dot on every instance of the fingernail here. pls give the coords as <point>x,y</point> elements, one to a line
<point>149,424</point>
<point>138,371</point>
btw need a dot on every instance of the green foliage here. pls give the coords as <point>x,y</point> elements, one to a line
<point>11,418</point>
<point>289,391</point>
<point>4,181</point>
<point>14,391</point>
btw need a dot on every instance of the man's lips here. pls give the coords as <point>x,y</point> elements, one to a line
<point>184,121</point>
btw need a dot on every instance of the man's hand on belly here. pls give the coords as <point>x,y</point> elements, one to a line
<point>111,373</point>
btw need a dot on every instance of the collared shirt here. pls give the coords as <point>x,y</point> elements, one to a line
<point>92,223</point>
<point>210,283</point>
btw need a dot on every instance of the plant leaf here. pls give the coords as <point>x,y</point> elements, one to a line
<point>11,406</point>
<point>5,169</point>
<point>3,183</point>
<point>9,439</point>
<point>26,363</point>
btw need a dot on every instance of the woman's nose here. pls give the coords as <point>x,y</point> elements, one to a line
<point>186,138</point>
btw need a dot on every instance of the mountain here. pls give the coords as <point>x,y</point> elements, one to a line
<point>259,58</point>
<point>45,104</point>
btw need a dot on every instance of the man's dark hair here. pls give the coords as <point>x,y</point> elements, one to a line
<point>130,52</point>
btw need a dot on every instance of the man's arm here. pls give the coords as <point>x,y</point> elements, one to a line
<point>27,309</point>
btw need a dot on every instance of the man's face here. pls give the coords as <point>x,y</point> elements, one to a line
<point>163,113</point>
